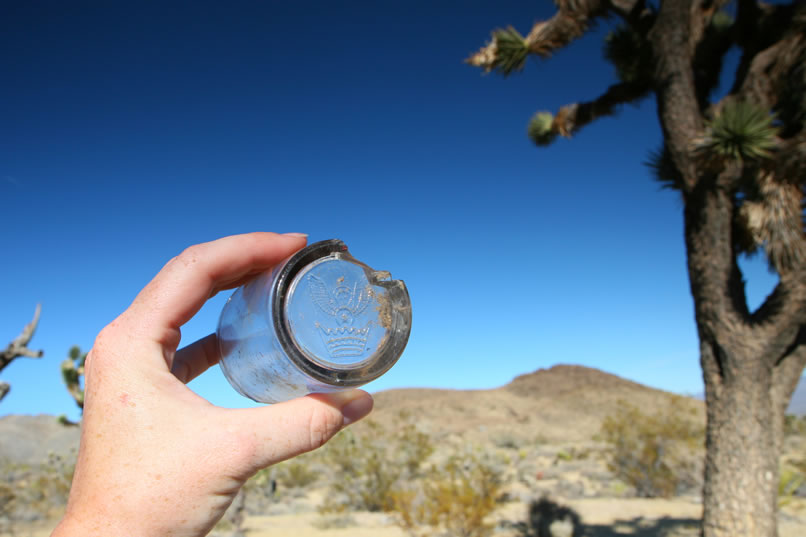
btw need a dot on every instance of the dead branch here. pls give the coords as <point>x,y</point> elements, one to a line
<point>18,348</point>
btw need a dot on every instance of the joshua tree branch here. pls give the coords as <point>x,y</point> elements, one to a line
<point>700,14</point>
<point>570,22</point>
<point>572,117</point>
<point>674,85</point>
<point>769,66</point>
<point>566,25</point>
<point>783,313</point>
<point>790,160</point>
<point>714,275</point>
<point>19,346</point>
<point>766,59</point>
<point>785,377</point>
<point>782,316</point>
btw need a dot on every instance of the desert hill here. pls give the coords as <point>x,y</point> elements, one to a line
<point>565,403</point>
<point>29,439</point>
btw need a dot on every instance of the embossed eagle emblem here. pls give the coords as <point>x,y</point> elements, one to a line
<point>343,302</point>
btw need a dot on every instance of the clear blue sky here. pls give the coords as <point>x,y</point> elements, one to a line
<point>129,131</point>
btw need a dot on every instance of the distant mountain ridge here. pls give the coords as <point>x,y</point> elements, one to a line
<point>29,439</point>
<point>561,404</point>
<point>565,403</point>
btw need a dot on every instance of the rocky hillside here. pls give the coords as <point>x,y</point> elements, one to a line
<point>562,404</point>
<point>565,403</point>
<point>29,439</point>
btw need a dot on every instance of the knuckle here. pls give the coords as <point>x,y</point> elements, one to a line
<point>103,348</point>
<point>189,255</point>
<point>102,341</point>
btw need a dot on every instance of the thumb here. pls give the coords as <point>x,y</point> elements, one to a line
<point>287,429</point>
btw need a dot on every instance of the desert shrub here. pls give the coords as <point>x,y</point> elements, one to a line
<point>789,481</point>
<point>368,465</point>
<point>413,447</point>
<point>49,484</point>
<point>32,492</point>
<point>363,477</point>
<point>296,474</point>
<point>454,498</point>
<point>12,495</point>
<point>794,425</point>
<point>506,441</point>
<point>799,465</point>
<point>262,481</point>
<point>564,456</point>
<point>8,500</point>
<point>658,453</point>
<point>288,478</point>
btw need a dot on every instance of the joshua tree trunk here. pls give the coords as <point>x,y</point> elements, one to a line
<point>751,365</point>
<point>741,464</point>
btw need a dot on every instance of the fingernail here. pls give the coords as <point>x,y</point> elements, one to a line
<point>357,408</point>
<point>304,235</point>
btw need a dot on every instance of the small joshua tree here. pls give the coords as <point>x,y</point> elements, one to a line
<point>19,348</point>
<point>72,372</point>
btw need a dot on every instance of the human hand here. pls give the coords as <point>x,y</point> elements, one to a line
<point>155,458</point>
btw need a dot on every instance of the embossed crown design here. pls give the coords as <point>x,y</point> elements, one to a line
<point>344,303</point>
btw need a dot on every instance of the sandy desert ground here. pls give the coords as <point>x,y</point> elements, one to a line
<point>544,424</point>
<point>603,517</point>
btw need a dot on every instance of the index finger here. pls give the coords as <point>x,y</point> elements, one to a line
<point>181,288</point>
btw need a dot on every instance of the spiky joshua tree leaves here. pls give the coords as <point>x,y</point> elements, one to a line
<point>740,131</point>
<point>739,164</point>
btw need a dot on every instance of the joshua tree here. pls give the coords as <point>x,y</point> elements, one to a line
<point>19,348</point>
<point>738,164</point>
<point>72,371</point>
